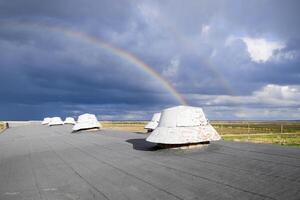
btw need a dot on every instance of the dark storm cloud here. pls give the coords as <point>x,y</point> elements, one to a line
<point>70,76</point>
<point>106,12</point>
<point>197,45</point>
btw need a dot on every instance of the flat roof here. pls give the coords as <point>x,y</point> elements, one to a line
<point>41,162</point>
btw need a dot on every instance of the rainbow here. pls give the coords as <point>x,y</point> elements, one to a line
<point>129,57</point>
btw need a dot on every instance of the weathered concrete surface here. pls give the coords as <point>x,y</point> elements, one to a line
<point>21,123</point>
<point>41,162</point>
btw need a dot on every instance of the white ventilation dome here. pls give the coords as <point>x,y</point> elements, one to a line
<point>55,121</point>
<point>46,121</point>
<point>183,125</point>
<point>154,122</point>
<point>86,121</point>
<point>69,120</point>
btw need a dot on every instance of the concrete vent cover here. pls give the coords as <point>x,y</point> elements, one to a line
<point>87,121</point>
<point>154,122</point>
<point>46,121</point>
<point>69,120</point>
<point>183,125</point>
<point>55,121</point>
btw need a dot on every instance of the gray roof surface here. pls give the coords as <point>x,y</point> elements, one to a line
<point>41,162</point>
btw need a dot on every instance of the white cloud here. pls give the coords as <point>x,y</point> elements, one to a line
<point>270,102</point>
<point>270,95</point>
<point>261,50</point>
<point>289,93</point>
<point>205,30</point>
<point>266,113</point>
<point>173,68</point>
<point>285,56</point>
<point>229,40</point>
<point>149,12</point>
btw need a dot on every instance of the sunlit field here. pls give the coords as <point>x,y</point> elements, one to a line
<point>1,126</point>
<point>130,126</point>
<point>279,132</point>
<point>276,132</point>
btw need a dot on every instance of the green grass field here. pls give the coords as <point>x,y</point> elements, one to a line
<point>247,127</point>
<point>275,132</point>
<point>1,126</point>
<point>131,126</point>
<point>288,139</point>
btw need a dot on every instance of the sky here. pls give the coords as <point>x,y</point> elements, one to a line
<point>238,60</point>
